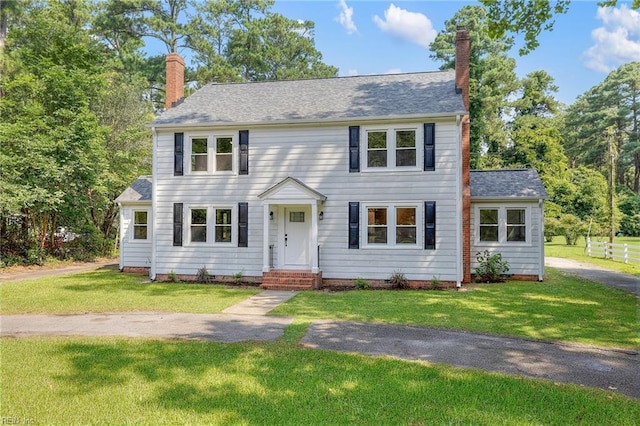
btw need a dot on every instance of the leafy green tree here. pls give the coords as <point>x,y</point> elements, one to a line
<point>614,103</point>
<point>529,18</point>
<point>492,80</point>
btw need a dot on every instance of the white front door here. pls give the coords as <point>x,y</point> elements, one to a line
<point>297,227</point>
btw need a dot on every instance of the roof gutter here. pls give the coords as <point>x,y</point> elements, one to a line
<point>304,121</point>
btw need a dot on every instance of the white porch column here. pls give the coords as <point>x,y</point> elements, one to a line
<point>314,238</point>
<point>266,267</point>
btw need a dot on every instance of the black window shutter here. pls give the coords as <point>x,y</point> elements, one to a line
<point>177,224</point>
<point>354,149</point>
<point>354,225</point>
<point>429,147</point>
<point>430,225</point>
<point>244,152</point>
<point>178,154</point>
<point>243,221</point>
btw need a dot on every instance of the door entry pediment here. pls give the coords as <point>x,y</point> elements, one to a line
<point>291,189</point>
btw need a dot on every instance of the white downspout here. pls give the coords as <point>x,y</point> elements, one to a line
<point>154,185</point>
<point>541,266</point>
<point>459,257</point>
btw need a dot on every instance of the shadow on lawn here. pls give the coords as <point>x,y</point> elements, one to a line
<point>276,384</point>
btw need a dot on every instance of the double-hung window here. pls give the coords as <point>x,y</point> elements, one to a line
<point>497,224</point>
<point>211,224</point>
<point>211,154</point>
<point>140,224</point>
<point>391,148</point>
<point>198,225</point>
<point>392,225</point>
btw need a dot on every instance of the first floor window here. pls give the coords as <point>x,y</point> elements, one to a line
<point>393,225</point>
<point>198,225</point>
<point>502,225</point>
<point>140,225</point>
<point>377,225</point>
<point>223,225</point>
<point>489,225</point>
<point>406,229</point>
<point>516,225</point>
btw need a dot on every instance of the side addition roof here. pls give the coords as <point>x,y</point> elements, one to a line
<point>139,191</point>
<point>322,99</point>
<point>501,184</point>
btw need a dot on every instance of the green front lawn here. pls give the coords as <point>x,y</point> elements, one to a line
<point>563,308</point>
<point>124,381</point>
<point>108,290</point>
<point>558,248</point>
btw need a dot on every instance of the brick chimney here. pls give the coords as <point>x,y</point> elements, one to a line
<point>463,48</point>
<point>174,89</point>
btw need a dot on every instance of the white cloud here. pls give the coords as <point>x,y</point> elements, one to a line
<point>394,71</point>
<point>352,72</point>
<point>411,26</point>
<point>346,17</point>
<point>617,42</point>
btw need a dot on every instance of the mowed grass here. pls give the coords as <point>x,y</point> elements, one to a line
<point>562,308</point>
<point>558,248</point>
<point>108,290</point>
<point>123,381</point>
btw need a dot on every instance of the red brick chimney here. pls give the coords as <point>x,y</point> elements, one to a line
<point>463,48</point>
<point>174,89</point>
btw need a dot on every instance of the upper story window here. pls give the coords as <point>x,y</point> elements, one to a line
<point>211,154</point>
<point>392,225</point>
<point>502,225</point>
<point>140,225</point>
<point>391,148</point>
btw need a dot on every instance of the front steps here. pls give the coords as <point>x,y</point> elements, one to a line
<point>291,280</point>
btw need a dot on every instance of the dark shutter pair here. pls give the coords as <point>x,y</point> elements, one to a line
<point>178,156</point>
<point>243,222</point>
<point>429,225</point>
<point>429,144</point>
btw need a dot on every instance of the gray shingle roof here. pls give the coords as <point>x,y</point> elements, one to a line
<point>496,184</point>
<point>140,190</point>
<point>323,99</point>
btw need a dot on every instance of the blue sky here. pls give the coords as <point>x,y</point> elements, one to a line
<point>376,37</point>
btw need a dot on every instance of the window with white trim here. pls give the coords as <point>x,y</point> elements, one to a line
<point>211,153</point>
<point>224,228</point>
<point>391,148</point>
<point>198,225</point>
<point>502,225</point>
<point>392,225</point>
<point>140,225</point>
<point>214,225</point>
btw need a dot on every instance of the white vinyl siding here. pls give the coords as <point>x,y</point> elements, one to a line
<point>319,157</point>
<point>524,257</point>
<point>135,252</point>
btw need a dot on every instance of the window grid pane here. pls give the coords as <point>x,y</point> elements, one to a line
<point>377,225</point>
<point>199,154</point>
<point>199,225</point>
<point>377,149</point>
<point>406,229</point>
<point>405,148</point>
<point>516,225</point>
<point>140,232</point>
<point>140,218</point>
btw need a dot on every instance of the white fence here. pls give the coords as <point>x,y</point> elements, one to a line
<point>623,252</point>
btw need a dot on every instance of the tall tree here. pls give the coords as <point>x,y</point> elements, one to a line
<point>492,80</point>
<point>613,103</point>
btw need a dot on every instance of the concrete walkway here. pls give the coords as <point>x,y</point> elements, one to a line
<point>595,273</point>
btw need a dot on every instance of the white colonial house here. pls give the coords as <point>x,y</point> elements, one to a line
<point>317,182</point>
